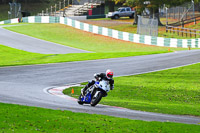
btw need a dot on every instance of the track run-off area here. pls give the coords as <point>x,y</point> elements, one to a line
<point>29,85</point>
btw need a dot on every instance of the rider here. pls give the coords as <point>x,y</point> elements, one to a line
<point>100,76</point>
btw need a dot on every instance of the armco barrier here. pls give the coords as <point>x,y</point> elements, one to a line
<point>149,40</point>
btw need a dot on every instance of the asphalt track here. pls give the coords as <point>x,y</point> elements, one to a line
<point>30,44</point>
<point>26,85</point>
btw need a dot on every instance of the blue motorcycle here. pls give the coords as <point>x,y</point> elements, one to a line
<point>95,93</point>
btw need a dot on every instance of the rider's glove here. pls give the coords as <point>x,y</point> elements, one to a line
<point>96,77</point>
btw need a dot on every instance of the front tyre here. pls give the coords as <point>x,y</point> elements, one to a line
<point>79,100</point>
<point>132,16</point>
<point>116,17</point>
<point>96,100</point>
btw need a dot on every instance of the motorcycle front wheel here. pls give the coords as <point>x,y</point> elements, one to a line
<point>96,100</point>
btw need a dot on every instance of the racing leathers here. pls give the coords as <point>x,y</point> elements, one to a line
<point>98,77</point>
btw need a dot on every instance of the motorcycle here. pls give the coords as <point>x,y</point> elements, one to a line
<point>95,93</point>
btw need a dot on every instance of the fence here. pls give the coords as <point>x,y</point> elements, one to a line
<point>147,26</point>
<point>136,38</point>
<point>180,15</point>
<point>183,31</point>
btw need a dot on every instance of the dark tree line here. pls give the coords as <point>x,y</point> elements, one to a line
<point>28,1</point>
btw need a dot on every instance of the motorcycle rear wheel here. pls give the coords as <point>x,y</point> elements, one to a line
<point>96,100</point>
<point>79,100</point>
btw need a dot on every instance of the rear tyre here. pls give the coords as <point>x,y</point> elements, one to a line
<point>79,100</point>
<point>96,100</point>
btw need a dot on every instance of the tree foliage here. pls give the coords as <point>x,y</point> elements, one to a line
<point>155,4</point>
<point>28,1</point>
<point>152,5</point>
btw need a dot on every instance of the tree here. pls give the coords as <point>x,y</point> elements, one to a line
<point>111,5</point>
<point>152,5</point>
<point>137,4</point>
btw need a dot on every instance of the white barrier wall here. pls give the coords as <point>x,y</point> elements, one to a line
<point>149,40</point>
<point>16,20</point>
<point>11,21</point>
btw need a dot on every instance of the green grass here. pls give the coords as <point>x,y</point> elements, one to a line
<point>104,46</point>
<point>69,36</point>
<point>174,91</point>
<point>125,19</point>
<point>100,19</point>
<point>16,118</point>
<point>13,57</point>
<point>126,28</point>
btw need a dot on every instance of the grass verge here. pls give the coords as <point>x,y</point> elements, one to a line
<point>173,91</point>
<point>70,36</point>
<point>104,46</point>
<point>16,118</point>
<point>13,57</point>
